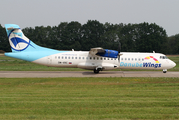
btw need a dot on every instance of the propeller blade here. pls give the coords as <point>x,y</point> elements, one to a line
<point>119,48</point>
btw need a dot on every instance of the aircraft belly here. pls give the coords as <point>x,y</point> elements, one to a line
<point>92,66</point>
<point>86,65</point>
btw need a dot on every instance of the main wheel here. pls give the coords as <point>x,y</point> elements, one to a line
<point>96,71</point>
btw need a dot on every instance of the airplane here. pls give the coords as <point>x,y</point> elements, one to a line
<point>97,59</point>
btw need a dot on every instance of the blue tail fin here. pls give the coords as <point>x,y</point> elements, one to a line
<point>18,41</point>
<point>22,47</point>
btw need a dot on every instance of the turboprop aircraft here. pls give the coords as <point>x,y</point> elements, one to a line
<point>97,59</point>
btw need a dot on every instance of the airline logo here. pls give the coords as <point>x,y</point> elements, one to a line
<point>151,57</point>
<point>149,64</point>
<point>18,41</point>
<point>144,64</point>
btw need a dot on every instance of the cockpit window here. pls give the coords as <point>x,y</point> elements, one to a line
<point>163,57</point>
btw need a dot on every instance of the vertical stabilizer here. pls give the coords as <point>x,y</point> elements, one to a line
<point>18,41</point>
<point>22,47</point>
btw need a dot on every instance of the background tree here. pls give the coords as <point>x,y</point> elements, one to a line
<point>128,37</point>
<point>4,42</point>
<point>73,39</point>
<point>110,37</point>
<point>91,34</point>
<point>173,44</point>
<point>150,37</point>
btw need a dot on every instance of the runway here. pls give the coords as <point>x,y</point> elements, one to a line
<point>54,74</point>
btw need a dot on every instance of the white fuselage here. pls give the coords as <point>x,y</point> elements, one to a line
<point>84,60</point>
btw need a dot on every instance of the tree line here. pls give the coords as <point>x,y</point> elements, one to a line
<point>143,37</point>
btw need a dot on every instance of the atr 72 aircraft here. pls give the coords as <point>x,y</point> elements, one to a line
<point>97,59</point>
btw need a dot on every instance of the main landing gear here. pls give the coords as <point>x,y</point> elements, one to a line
<point>97,70</point>
<point>164,70</point>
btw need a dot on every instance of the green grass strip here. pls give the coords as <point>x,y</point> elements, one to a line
<point>89,98</point>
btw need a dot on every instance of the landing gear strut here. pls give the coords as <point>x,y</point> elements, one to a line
<point>164,70</point>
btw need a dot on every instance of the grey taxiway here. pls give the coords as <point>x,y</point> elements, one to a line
<point>54,74</point>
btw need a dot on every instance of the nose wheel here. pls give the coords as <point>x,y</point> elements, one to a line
<point>164,70</point>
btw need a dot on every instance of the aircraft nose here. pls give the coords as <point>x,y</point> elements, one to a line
<point>173,64</point>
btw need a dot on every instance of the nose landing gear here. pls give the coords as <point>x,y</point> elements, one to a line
<point>164,70</point>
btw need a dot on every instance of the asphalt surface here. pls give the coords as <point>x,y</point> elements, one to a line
<point>53,74</point>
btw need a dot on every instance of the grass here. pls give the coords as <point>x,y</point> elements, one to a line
<point>12,64</point>
<point>89,98</point>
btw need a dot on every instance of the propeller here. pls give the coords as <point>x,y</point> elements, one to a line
<point>119,50</point>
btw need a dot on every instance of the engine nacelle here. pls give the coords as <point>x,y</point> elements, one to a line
<point>108,53</point>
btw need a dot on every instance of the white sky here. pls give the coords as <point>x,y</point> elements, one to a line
<point>31,13</point>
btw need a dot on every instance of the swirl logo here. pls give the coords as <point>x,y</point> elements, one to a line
<point>18,41</point>
<point>151,57</point>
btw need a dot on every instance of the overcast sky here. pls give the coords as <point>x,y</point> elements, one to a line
<point>31,13</point>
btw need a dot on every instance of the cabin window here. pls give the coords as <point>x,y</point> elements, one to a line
<point>139,59</point>
<point>93,58</point>
<point>68,57</point>
<point>79,57</point>
<point>72,57</point>
<point>135,59</point>
<point>87,58</point>
<point>125,58</point>
<point>75,57</point>
<point>111,59</point>
<point>97,58</point>
<point>128,58</point>
<point>58,57</point>
<point>132,59</point>
<point>142,59</point>
<point>101,58</point>
<point>121,58</point>
<point>90,58</point>
<point>104,58</point>
<point>62,57</point>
